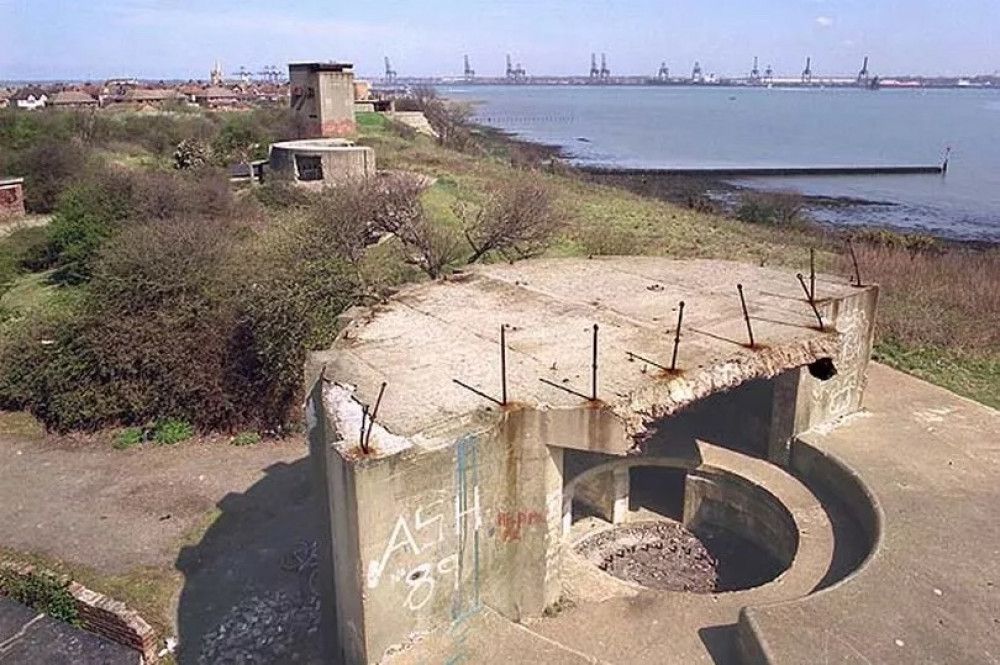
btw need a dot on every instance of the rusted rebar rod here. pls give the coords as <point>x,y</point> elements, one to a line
<point>677,338</point>
<point>593,376</point>
<point>812,302</point>
<point>854,259</point>
<point>503,364</point>
<point>378,403</point>
<point>477,392</point>
<point>746,314</point>
<point>361,437</point>
<point>812,274</point>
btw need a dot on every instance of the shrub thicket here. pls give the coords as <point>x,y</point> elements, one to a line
<point>42,592</point>
<point>771,208</point>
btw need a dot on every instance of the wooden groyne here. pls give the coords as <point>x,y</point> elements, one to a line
<point>767,171</point>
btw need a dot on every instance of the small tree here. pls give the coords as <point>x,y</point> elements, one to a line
<point>192,154</point>
<point>398,210</point>
<point>517,220</point>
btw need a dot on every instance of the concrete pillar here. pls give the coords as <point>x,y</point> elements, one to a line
<point>620,487</point>
<point>606,494</point>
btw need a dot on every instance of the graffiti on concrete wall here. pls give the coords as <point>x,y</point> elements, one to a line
<point>465,603</point>
<point>421,535</point>
<point>843,392</point>
<point>510,524</point>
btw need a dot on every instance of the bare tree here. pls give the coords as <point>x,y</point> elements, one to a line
<point>398,210</point>
<point>517,220</point>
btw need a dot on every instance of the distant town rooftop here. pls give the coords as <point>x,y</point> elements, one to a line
<point>322,66</point>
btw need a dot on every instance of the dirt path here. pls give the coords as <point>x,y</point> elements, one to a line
<point>116,510</point>
<point>178,531</point>
<point>6,228</point>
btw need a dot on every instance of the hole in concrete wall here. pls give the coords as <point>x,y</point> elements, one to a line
<point>823,369</point>
<point>309,167</point>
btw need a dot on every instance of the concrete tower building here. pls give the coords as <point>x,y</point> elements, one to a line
<point>322,95</point>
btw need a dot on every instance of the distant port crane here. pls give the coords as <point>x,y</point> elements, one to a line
<point>604,73</point>
<point>594,71</point>
<point>769,75</point>
<point>696,74</point>
<point>807,73</point>
<point>863,75</point>
<point>470,73</point>
<point>390,73</point>
<point>515,73</point>
<point>755,72</point>
<point>270,74</point>
<point>664,72</point>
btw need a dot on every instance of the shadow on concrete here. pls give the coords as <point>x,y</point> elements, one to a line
<point>720,642</point>
<point>850,544</point>
<point>738,419</point>
<point>234,578</point>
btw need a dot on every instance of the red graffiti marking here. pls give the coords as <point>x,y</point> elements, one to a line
<point>510,524</point>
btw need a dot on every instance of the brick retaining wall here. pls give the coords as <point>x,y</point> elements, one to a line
<point>11,198</point>
<point>109,618</point>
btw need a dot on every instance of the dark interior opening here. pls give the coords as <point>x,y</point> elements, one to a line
<point>309,167</point>
<point>659,489</point>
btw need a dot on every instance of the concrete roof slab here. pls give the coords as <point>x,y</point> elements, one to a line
<point>431,334</point>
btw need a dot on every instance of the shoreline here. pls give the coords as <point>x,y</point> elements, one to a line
<point>708,192</point>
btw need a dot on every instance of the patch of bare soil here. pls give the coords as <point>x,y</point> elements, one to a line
<point>665,555</point>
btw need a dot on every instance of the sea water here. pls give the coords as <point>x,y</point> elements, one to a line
<point>710,126</point>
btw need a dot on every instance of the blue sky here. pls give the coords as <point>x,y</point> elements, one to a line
<point>79,39</point>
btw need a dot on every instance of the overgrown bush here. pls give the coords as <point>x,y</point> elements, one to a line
<point>771,208</point>
<point>281,194</point>
<point>23,251</point>
<point>96,208</point>
<point>41,592</point>
<point>48,167</point>
<point>912,242</point>
<point>86,216</point>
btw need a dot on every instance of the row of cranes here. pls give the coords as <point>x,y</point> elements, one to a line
<point>269,74</point>
<point>602,73</point>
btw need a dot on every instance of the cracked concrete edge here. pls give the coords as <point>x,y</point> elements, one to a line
<point>667,398</point>
<point>636,412</point>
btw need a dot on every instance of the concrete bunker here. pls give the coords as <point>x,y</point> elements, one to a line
<point>322,160</point>
<point>448,468</point>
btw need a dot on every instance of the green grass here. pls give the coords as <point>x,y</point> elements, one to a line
<point>172,432</point>
<point>976,376</point>
<point>367,120</point>
<point>245,439</point>
<point>129,438</point>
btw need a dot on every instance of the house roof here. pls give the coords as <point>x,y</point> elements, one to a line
<point>216,92</point>
<point>71,97</point>
<point>28,91</point>
<point>150,94</point>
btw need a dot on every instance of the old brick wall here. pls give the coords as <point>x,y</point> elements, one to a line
<point>11,200</point>
<point>109,618</point>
